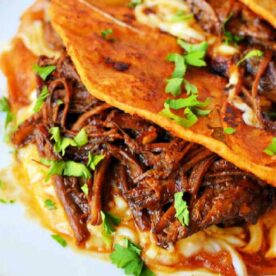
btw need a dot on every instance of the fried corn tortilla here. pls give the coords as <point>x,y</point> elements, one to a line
<point>130,73</point>
<point>265,8</point>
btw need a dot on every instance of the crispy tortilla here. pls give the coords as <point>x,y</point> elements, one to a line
<point>140,89</point>
<point>264,8</point>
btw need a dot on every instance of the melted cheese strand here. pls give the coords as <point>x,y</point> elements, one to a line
<point>165,10</point>
<point>33,38</point>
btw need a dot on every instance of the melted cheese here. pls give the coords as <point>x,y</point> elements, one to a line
<point>33,38</point>
<point>249,116</point>
<point>163,18</point>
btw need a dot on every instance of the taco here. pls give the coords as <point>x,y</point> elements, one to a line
<point>168,142</point>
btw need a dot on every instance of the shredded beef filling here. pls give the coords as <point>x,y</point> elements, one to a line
<point>259,74</point>
<point>144,163</point>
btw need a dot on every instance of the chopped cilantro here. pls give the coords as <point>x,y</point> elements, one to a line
<point>65,143</point>
<point>181,208</point>
<point>134,3</point>
<point>5,107</point>
<point>45,71</point>
<point>85,189</point>
<point>229,130</point>
<point>196,59</point>
<point>180,66</point>
<point>56,168</point>
<point>174,86</point>
<point>59,102</point>
<point>59,240</point>
<point>49,204</point>
<point>201,112</point>
<point>190,88</point>
<point>56,136</point>
<point>109,223</point>
<point>94,160</point>
<point>191,101</point>
<point>195,56</point>
<point>41,99</point>
<point>186,122</point>
<point>72,168</point>
<point>194,48</point>
<point>129,259</point>
<point>181,16</point>
<point>4,201</point>
<point>107,34</point>
<point>45,162</point>
<point>271,148</point>
<point>81,138</point>
<point>68,168</point>
<point>250,54</point>
<point>62,143</point>
<point>191,111</point>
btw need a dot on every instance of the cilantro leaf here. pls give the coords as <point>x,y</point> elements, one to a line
<point>271,148</point>
<point>180,66</point>
<point>56,168</point>
<point>134,3</point>
<point>190,88</point>
<point>41,99</point>
<point>107,34</point>
<point>59,102</point>
<point>196,59</point>
<point>191,101</point>
<point>85,189</point>
<point>146,272</point>
<point>62,143</point>
<point>5,107</point>
<point>181,16</point>
<point>65,143</point>
<point>187,122</point>
<point>193,48</point>
<point>49,204</point>
<point>59,240</point>
<point>94,160</point>
<point>181,208</point>
<point>4,201</point>
<point>109,223</point>
<point>250,54</point>
<point>68,168</point>
<point>45,71</point>
<point>56,136</point>
<point>201,112</point>
<point>81,138</point>
<point>128,258</point>
<point>174,86</point>
<point>76,169</point>
<point>133,247</point>
<point>229,130</point>
<point>195,53</point>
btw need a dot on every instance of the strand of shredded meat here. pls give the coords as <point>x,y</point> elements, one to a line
<point>147,164</point>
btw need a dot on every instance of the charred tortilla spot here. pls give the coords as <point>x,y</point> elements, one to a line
<point>117,65</point>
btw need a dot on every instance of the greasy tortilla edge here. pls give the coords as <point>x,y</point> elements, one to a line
<point>265,173</point>
<point>261,11</point>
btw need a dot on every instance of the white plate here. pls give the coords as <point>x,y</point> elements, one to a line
<point>26,249</point>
